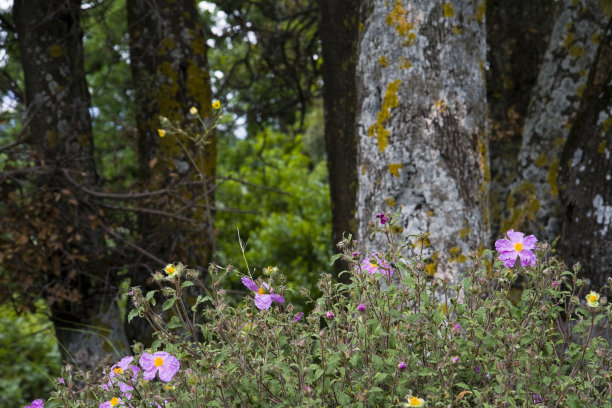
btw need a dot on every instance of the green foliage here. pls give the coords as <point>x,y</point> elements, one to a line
<point>29,356</point>
<point>381,340</point>
<point>285,194</point>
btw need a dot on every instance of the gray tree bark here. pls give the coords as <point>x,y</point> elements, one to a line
<point>533,204</point>
<point>422,127</point>
<point>585,176</point>
<point>59,130</point>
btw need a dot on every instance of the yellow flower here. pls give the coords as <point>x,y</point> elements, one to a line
<point>170,269</point>
<point>114,401</point>
<point>415,402</point>
<point>193,110</point>
<point>216,105</point>
<point>592,299</point>
<point>161,132</point>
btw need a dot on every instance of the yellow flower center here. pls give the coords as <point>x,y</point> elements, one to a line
<point>117,370</point>
<point>170,270</point>
<point>114,401</point>
<point>414,401</point>
<point>158,362</point>
<point>161,132</point>
<point>373,266</point>
<point>262,291</point>
<point>216,105</point>
<point>518,247</point>
<point>193,110</point>
<point>592,298</point>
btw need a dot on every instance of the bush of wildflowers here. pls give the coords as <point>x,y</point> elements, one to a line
<point>394,336</point>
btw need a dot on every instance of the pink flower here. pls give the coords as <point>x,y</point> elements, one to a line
<point>361,307</point>
<point>517,245</point>
<point>166,364</point>
<point>118,370</point>
<point>373,264</point>
<point>330,315</point>
<point>401,365</point>
<point>263,300</point>
<point>298,316</point>
<point>37,403</point>
<point>383,219</point>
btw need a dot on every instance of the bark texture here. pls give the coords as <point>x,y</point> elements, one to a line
<point>585,176</point>
<point>170,74</point>
<point>59,131</point>
<point>533,204</point>
<point>518,33</point>
<point>422,127</point>
<point>339,32</point>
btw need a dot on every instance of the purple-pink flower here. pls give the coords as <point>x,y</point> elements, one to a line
<point>373,264</point>
<point>263,300</point>
<point>401,365</point>
<point>298,316</point>
<point>110,403</point>
<point>330,315</point>
<point>383,219</point>
<point>37,403</point>
<point>361,307</point>
<point>517,245</point>
<point>166,364</point>
<point>118,370</point>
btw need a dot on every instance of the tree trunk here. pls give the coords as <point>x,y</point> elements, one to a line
<point>518,33</point>
<point>79,289</point>
<point>422,127</point>
<point>533,204</point>
<point>339,31</point>
<point>585,175</point>
<point>170,74</point>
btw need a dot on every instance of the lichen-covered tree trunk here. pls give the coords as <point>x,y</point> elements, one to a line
<point>170,74</point>
<point>421,125</point>
<point>79,289</point>
<point>585,176</point>
<point>518,33</point>
<point>533,204</point>
<point>339,31</point>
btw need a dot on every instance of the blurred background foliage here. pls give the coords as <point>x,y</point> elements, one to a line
<point>265,70</point>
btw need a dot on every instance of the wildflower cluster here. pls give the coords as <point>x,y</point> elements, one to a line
<point>410,341</point>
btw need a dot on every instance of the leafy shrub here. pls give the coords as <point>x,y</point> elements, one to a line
<point>29,356</point>
<point>396,338</point>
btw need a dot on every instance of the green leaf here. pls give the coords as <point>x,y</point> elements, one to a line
<point>186,284</point>
<point>169,303</point>
<point>133,312</point>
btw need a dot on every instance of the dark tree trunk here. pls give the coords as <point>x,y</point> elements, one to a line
<point>80,290</point>
<point>518,33</point>
<point>170,75</point>
<point>339,32</point>
<point>585,176</point>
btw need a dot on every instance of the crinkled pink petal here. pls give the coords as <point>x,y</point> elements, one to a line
<point>250,284</point>
<point>169,368</point>
<point>38,403</point>
<point>508,258</point>
<point>263,301</point>
<point>125,362</point>
<point>515,236</point>
<point>527,257</point>
<point>266,286</point>
<point>529,242</point>
<point>277,298</point>
<point>504,245</point>
<point>147,361</point>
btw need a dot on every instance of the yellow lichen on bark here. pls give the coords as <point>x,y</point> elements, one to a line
<point>449,11</point>
<point>552,177</point>
<point>57,50</point>
<point>480,13</point>
<point>397,18</point>
<point>383,61</point>
<point>394,169</point>
<point>390,101</point>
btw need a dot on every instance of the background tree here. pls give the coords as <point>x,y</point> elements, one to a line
<point>58,230</point>
<point>585,177</point>
<point>339,32</point>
